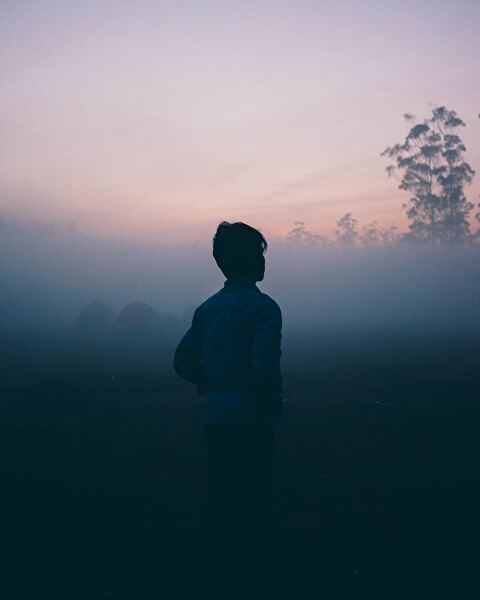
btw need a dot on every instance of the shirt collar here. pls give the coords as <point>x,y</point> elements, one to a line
<point>240,282</point>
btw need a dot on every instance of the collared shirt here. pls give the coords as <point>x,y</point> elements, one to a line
<point>232,354</point>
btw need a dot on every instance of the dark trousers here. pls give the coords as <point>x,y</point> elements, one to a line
<point>240,472</point>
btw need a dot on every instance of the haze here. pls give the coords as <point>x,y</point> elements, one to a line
<point>47,277</point>
<point>129,130</point>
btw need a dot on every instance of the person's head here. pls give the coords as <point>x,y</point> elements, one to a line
<point>239,250</point>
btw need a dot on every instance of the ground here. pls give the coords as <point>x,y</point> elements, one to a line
<point>377,462</point>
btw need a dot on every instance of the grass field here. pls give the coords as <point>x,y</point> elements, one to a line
<point>103,457</point>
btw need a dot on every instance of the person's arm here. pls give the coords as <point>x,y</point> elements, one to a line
<point>187,361</point>
<point>266,351</point>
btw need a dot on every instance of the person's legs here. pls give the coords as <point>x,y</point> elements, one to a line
<point>219,472</point>
<point>259,460</point>
<point>240,471</point>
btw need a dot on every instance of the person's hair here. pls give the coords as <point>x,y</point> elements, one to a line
<point>237,248</point>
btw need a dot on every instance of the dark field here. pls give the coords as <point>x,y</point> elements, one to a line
<point>103,462</point>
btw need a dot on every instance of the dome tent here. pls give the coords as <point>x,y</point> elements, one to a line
<point>138,318</point>
<point>96,316</point>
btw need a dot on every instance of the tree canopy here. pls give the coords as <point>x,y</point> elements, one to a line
<point>432,167</point>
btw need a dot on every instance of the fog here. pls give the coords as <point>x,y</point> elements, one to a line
<point>380,369</point>
<point>47,277</point>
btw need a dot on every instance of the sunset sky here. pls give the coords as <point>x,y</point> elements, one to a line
<point>155,120</point>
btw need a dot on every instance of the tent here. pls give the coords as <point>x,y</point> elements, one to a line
<point>138,319</point>
<point>96,316</point>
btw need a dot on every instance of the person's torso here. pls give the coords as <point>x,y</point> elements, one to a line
<point>227,323</point>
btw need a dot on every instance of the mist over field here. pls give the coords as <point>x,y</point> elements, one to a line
<point>348,133</point>
<point>48,278</point>
<point>379,437</point>
<point>400,305</point>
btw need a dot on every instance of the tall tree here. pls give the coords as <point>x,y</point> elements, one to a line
<point>477,216</point>
<point>388,233</point>
<point>433,170</point>
<point>347,230</point>
<point>370,235</point>
<point>301,236</point>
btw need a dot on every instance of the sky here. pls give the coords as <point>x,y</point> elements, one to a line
<point>155,120</point>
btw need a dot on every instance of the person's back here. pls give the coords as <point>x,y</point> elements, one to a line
<point>238,332</point>
<point>232,354</point>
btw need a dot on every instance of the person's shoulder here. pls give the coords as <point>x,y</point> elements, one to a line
<point>268,303</point>
<point>210,300</point>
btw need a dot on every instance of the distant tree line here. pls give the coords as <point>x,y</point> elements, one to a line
<point>346,233</point>
<point>430,165</point>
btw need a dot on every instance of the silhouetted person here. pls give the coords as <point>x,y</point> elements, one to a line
<point>232,354</point>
